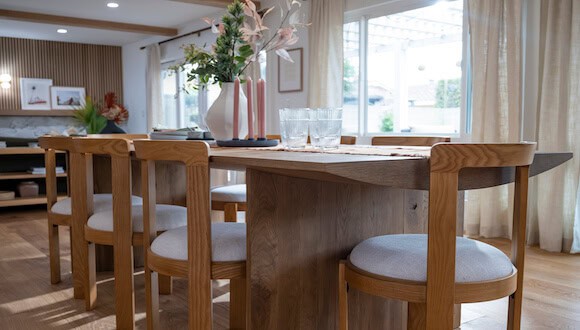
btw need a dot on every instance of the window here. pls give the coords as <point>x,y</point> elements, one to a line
<point>183,108</point>
<point>403,69</point>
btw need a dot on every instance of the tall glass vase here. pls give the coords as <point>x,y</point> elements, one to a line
<point>220,116</point>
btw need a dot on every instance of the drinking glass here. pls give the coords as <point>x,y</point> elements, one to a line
<point>294,127</point>
<point>325,127</point>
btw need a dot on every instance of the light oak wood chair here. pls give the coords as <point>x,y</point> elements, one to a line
<point>120,226</point>
<point>232,198</point>
<point>200,251</point>
<point>401,140</point>
<point>59,212</point>
<point>435,271</point>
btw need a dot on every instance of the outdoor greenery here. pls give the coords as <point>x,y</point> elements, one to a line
<point>448,93</point>
<point>387,124</point>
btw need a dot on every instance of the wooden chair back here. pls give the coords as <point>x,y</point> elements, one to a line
<point>82,158</point>
<point>345,139</point>
<point>51,144</point>
<point>422,141</point>
<point>118,136</point>
<point>447,159</point>
<point>195,156</point>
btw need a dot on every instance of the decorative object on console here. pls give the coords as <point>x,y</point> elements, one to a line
<point>115,114</point>
<point>67,98</point>
<point>238,44</point>
<point>35,93</point>
<point>28,189</point>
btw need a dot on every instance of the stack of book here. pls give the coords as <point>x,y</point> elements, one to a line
<point>42,170</point>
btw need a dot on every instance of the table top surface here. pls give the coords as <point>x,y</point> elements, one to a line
<point>395,171</point>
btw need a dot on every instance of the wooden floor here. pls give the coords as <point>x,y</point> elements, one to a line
<point>29,301</point>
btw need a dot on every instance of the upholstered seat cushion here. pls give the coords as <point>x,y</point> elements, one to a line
<point>228,242</point>
<point>166,216</point>
<point>235,193</point>
<point>101,202</point>
<point>405,257</point>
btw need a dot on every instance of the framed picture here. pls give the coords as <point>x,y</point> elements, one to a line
<point>35,93</point>
<point>67,98</point>
<point>290,75</point>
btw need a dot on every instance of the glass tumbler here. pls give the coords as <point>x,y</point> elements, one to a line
<point>294,127</point>
<point>325,127</point>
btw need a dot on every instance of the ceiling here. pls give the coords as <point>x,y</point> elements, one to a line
<point>161,13</point>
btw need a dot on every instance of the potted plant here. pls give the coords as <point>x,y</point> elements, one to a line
<point>89,116</point>
<point>242,36</point>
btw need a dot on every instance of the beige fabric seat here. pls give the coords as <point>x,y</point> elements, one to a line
<point>230,194</point>
<point>405,257</point>
<point>168,217</point>
<point>228,242</point>
<point>102,202</point>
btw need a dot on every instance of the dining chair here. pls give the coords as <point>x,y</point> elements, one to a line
<point>120,226</point>
<point>232,198</point>
<point>201,250</point>
<point>403,140</point>
<point>433,272</point>
<point>59,212</point>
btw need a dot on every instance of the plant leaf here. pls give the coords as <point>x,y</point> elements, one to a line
<point>284,54</point>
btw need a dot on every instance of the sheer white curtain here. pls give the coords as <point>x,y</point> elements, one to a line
<point>153,86</point>
<point>495,27</point>
<point>495,30</point>
<point>325,43</point>
<point>554,203</point>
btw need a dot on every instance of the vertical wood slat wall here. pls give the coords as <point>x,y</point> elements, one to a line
<point>97,68</point>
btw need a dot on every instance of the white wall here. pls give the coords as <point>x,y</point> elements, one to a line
<point>135,63</point>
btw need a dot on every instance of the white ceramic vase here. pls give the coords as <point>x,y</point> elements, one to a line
<point>220,116</point>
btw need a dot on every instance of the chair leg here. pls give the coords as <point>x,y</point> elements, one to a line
<point>231,212</point>
<point>124,286</point>
<point>417,316</point>
<point>152,298</point>
<point>515,310</point>
<point>54,253</point>
<point>165,284</point>
<point>77,287</point>
<point>89,275</point>
<point>238,303</point>
<point>342,298</point>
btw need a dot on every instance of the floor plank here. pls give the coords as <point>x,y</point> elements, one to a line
<point>29,301</point>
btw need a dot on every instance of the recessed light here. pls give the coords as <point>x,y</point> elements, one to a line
<point>62,30</point>
<point>112,5</point>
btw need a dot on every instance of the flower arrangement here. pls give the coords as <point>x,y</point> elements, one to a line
<point>114,111</point>
<point>242,36</point>
<point>94,117</point>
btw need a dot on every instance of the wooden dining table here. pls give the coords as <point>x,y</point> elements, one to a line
<point>307,210</point>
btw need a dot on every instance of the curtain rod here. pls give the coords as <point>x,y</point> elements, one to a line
<point>198,32</point>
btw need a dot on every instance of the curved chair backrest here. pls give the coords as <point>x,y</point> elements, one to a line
<point>118,136</point>
<point>52,144</point>
<point>195,156</point>
<point>422,141</point>
<point>82,185</point>
<point>447,159</point>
